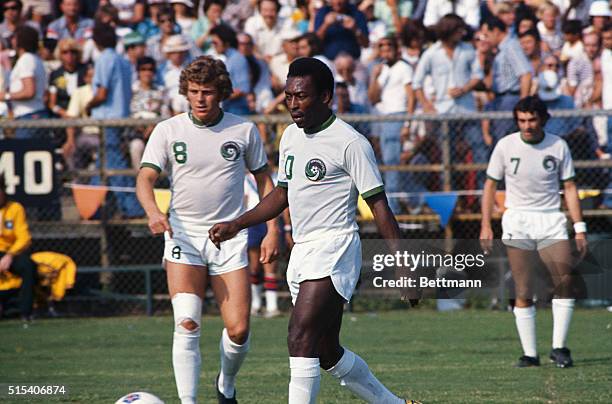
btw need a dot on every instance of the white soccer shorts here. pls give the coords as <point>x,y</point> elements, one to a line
<point>192,250</point>
<point>338,257</point>
<point>533,230</point>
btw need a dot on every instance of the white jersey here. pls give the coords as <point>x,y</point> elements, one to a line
<point>323,172</point>
<point>531,171</point>
<point>207,165</point>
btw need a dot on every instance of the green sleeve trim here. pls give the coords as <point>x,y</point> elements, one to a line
<point>151,165</point>
<point>282,184</point>
<point>569,179</point>
<point>373,192</point>
<point>492,178</point>
<point>261,169</point>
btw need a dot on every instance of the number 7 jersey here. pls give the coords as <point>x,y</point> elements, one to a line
<point>324,170</point>
<point>207,166</point>
<point>532,171</point>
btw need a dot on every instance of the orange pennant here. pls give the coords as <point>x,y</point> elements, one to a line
<point>88,199</point>
<point>500,200</point>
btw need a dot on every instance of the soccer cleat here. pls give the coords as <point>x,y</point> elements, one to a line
<point>528,361</point>
<point>220,397</point>
<point>561,357</point>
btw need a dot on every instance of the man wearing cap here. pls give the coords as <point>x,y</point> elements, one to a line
<point>176,48</point>
<point>134,45</point>
<point>600,14</point>
<point>70,24</point>
<point>183,13</point>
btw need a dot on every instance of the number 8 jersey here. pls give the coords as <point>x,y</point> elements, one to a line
<point>207,165</point>
<point>532,171</point>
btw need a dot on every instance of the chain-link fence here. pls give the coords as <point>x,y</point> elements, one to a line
<point>94,216</point>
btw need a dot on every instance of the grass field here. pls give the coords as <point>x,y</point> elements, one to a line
<point>458,357</point>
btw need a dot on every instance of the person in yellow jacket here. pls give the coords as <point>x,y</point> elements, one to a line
<point>15,240</point>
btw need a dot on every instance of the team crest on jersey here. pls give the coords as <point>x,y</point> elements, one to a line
<point>230,151</point>
<point>9,224</point>
<point>315,170</point>
<point>550,163</point>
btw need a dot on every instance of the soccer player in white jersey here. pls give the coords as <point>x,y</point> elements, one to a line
<point>207,152</point>
<point>323,165</point>
<point>533,163</point>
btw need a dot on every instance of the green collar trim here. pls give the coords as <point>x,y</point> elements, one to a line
<point>202,124</point>
<point>321,127</point>
<point>533,142</point>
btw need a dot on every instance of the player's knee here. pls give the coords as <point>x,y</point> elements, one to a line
<point>300,341</point>
<point>238,334</point>
<point>187,309</point>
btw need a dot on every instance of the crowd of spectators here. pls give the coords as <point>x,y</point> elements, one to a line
<point>122,58</point>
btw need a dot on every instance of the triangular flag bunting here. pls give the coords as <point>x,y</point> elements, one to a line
<point>88,199</point>
<point>162,198</point>
<point>443,204</point>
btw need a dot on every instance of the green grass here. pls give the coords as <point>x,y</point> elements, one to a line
<point>459,357</point>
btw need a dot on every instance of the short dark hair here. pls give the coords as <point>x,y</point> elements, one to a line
<point>313,41</point>
<point>276,3</point>
<point>533,104</point>
<point>226,34</point>
<point>19,4</point>
<point>573,27</point>
<point>531,32</point>
<point>208,3</point>
<point>27,38</point>
<point>321,75</point>
<point>145,60</point>
<point>391,38</point>
<point>494,22</point>
<point>104,35</point>
<point>448,25</point>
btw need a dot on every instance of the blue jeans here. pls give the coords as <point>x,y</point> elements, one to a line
<point>607,199</point>
<point>472,133</point>
<point>390,148</point>
<point>33,133</point>
<point>126,201</point>
<point>502,127</point>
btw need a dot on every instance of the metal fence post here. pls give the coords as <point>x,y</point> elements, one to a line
<point>105,277</point>
<point>447,176</point>
<point>149,289</point>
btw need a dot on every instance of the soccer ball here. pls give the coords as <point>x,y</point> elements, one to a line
<point>140,397</point>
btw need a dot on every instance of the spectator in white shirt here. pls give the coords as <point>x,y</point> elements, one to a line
<point>265,27</point>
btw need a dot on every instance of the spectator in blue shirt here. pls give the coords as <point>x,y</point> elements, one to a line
<point>112,95</point>
<point>70,24</point>
<point>225,42</point>
<point>341,27</point>
<point>512,74</point>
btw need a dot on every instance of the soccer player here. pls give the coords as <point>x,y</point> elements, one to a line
<point>323,165</point>
<point>207,152</point>
<point>532,163</point>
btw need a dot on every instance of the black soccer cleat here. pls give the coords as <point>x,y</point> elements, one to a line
<point>220,397</point>
<point>561,357</point>
<point>528,361</point>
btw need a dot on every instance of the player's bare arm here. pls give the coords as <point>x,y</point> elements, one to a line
<point>158,222</point>
<point>385,221</point>
<point>573,205</point>
<point>270,243</point>
<point>270,207</point>
<point>486,232</point>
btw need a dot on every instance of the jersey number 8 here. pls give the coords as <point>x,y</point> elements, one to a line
<point>180,152</point>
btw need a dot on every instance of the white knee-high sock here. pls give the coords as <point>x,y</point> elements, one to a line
<point>186,359</point>
<point>562,310</point>
<point>354,374</point>
<point>525,325</point>
<point>232,356</point>
<point>305,380</point>
<point>256,290</point>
